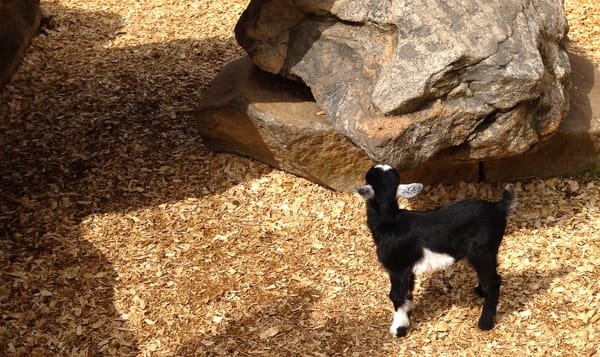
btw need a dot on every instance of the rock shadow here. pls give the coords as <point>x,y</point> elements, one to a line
<point>105,130</point>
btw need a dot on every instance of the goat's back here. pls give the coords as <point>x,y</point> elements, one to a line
<point>459,227</point>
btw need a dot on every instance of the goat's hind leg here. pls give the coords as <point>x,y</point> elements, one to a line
<point>488,288</point>
<point>401,296</point>
<point>479,291</point>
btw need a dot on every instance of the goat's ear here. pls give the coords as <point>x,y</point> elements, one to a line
<point>366,191</point>
<point>409,190</point>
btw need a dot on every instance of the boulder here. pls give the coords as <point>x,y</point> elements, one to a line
<point>19,20</point>
<point>250,112</point>
<point>253,113</point>
<point>414,82</point>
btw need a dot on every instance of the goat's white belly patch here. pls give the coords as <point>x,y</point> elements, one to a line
<point>432,261</point>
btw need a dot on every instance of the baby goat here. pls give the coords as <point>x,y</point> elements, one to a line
<point>410,241</point>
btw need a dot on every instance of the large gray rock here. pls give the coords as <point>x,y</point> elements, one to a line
<point>411,82</point>
<point>249,112</point>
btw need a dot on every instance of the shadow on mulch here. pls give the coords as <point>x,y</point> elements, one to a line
<point>285,326</point>
<point>103,132</point>
<point>440,293</point>
<point>341,334</point>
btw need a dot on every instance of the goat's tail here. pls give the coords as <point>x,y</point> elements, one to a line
<point>509,199</point>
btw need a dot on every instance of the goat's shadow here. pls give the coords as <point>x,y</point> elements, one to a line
<point>287,326</point>
<point>290,323</point>
<point>456,287</point>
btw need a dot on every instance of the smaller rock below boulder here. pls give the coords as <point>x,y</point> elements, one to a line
<point>250,112</point>
<point>19,20</point>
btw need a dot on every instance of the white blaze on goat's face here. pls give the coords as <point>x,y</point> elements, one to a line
<point>384,167</point>
<point>432,261</point>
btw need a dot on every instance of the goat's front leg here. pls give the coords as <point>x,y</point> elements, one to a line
<point>401,296</point>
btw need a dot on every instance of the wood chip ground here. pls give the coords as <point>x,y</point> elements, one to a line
<point>121,235</point>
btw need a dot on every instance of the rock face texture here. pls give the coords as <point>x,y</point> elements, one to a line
<point>575,148</point>
<point>19,19</point>
<point>253,113</point>
<point>250,112</point>
<point>412,82</point>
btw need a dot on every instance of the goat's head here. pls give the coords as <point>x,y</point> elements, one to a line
<point>383,182</point>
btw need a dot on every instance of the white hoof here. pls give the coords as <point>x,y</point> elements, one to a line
<point>401,318</point>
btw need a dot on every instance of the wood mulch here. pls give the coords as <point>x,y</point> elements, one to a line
<point>122,235</point>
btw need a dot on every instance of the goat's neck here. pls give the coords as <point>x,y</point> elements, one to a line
<point>383,209</point>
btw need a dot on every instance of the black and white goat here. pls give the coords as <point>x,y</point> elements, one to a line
<point>411,241</point>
